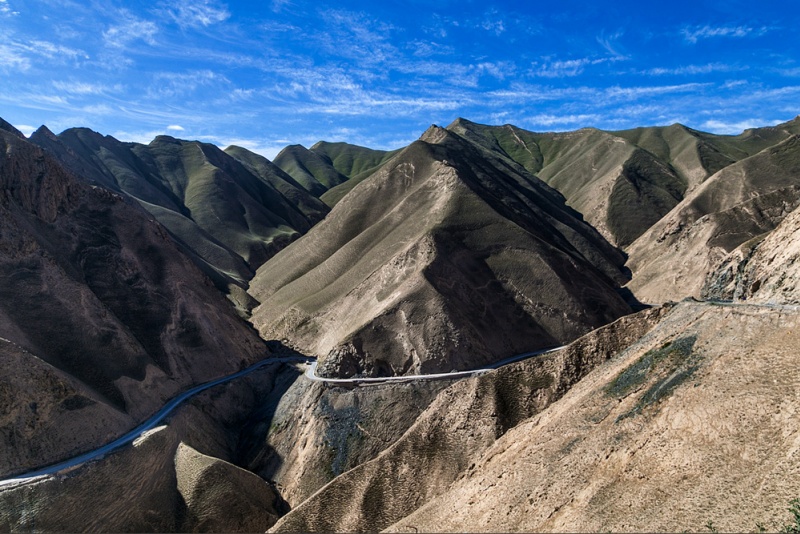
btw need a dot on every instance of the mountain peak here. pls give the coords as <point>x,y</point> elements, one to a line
<point>434,134</point>
<point>44,132</point>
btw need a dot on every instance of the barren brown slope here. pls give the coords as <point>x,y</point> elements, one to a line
<point>230,216</point>
<point>444,259</point>
<point>97,295</point>
<point>765,269</point>
<point>742,201</point>
<point>632,428</point>
<point>693,425</point>
<point>452,435</point>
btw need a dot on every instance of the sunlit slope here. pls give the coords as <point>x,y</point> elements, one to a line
<point>742,201</point>
<point>446,258</point>
<point>622,182</point>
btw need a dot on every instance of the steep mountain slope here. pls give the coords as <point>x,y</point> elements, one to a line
<point>623,182</point>
<point>229,216</point>
<point>454,432</point>
<point>331,170</point>
<point>764,269</point>
<point>619,188</point>
<point>744,200</point>
<point>447,258</point>
<point>99,304</point>
<point>657,423</point>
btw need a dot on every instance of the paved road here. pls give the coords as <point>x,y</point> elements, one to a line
<point>144,427</point>
<point>310,373</point>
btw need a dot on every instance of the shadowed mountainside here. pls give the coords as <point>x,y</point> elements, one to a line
<point>100,308</point>
<point>229,215</point>
<point>447,258</point>
<point>622,182</point>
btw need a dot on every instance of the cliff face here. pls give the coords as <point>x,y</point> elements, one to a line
<point>97,298</point>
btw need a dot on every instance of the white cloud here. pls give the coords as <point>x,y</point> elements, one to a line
<point>692,35</point>
<point>25,129</point>
<point>636,92</point>
<point>130,29</point>
<point>84,88</point>
<point>7,10</point>
<point>608,42</point>
<point>189,13</point>
<point>548,120</point>
<point>725,127</point>
<point>693,69</point>
<point>182,83</point>
<point>568,68</point>
<point>176,128</point>
<point>12,59</point>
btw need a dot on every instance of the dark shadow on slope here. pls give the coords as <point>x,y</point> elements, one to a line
<point>253,448</point>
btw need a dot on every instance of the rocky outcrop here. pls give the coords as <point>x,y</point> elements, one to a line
<point>765,269</point>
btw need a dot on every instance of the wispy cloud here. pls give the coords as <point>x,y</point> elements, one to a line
<point>548,120</point>
<point>355,35</point>
<point>19,55</point>
<point>611,45</point>
<point>493,22</point>
<point>694,34</point>
<point>173,84</point>
<point>189,13</point>
<point>11,58</point>
<point>693,69</point>
<point>130,29</point>
<point>725,127</point>
<point>85,88</point>
<point>568,68</point>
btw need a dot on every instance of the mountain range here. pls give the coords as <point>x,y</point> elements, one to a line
<point>662,260</point>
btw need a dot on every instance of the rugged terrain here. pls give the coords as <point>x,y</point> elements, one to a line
<point>472,244</point>
<point>102,317</point>
<point>447,258</point>
<point>230,211</point>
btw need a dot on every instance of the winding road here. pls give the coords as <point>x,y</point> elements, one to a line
<point>310,373</point>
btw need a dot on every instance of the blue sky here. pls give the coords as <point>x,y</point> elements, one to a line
<point>264,74</point>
